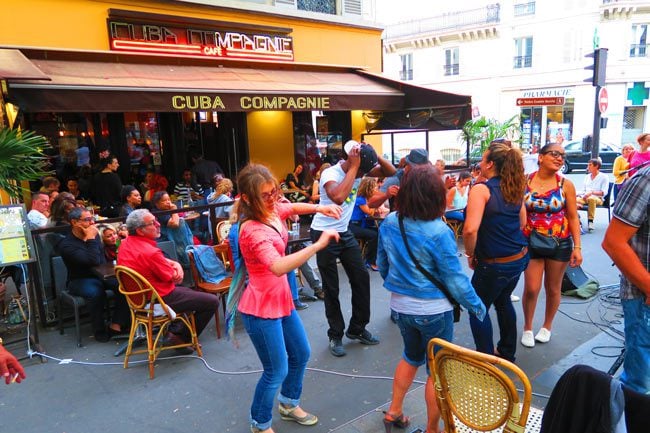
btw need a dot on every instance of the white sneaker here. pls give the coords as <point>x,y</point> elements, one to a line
<point>543,336</point>
<point>590,227</point>
<point>527,339</point>
<point>514,298</point>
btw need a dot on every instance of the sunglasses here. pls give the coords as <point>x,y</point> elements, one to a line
<point>555,154</point>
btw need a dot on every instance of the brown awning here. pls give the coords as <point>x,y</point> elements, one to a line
<point>116,87</point>
<point>14,65</point>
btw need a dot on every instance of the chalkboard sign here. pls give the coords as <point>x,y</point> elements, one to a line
<point>15,237</point>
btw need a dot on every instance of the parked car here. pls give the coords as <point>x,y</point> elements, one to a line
<point>576,159</point>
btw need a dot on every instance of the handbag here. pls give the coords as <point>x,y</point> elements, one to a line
<point>542,245</point>
<point>457,308</point>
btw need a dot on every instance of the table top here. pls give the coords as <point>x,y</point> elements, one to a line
<point>104,271</point>
<point>191,216</point>
<point>302,237</point>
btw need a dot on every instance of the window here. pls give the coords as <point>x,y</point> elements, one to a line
<point>523,53</point>
<point>632,123</point>
<point>639,45</point>
<point>322,6</point>
<point>406,73</point>
<point>522,9</point>
<point>451,61</point>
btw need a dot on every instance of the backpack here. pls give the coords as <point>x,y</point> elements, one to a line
<point>576,282</point>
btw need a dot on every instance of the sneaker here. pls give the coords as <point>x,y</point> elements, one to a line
<point>514,298</point>
<point>543,336</point>
<point>299,305</point>
<point>527,339</point>
<point>365,337</point>
<point>336,347</point>
<point>590,227</point>
<point>372,267</point>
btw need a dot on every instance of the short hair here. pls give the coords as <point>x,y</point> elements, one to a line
<point>135,220</point>
<point>126,191</point>
<point>104,162</point>
<point>35,193</point>
<point>75,213</point>
<point>50,180</point>
<point>224,186</point>
<point>596,162</point>
<point>422,194</point>
<point>158,195</point>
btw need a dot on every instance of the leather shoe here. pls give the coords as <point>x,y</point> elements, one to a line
<point>365,337</point>
<point>319,293</point>
<point>102,336</point>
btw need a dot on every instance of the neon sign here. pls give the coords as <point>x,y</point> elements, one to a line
<point>136,37</point>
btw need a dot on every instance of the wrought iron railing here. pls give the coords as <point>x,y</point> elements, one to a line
<point>452,69</point>
<point>523,62</point>
<point>406,75</point>
<point>522,9</point>
<point>639,50</point>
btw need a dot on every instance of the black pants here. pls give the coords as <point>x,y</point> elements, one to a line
<point>370,237</point>
<point>183,299</point>
<point>348,251</point>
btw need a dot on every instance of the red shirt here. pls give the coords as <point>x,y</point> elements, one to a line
<point>143,256</point>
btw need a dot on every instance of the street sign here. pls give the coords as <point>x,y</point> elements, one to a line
<point>603,100</point>
<point>531,102</point>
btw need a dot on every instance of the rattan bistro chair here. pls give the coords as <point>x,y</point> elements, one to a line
<point>150,311</point>
<point>476,391</point>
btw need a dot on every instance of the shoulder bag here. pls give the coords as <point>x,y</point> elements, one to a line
<point>457,308</point>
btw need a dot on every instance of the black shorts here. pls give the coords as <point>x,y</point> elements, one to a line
<point>562,253</point>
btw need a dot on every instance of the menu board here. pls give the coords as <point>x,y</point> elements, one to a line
<point>15,237</point>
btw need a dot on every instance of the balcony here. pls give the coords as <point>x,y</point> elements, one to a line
<point>639,50</point>
<point>470,24</point>
<point>523,62</point>
<point>452,69</point>
<point>406,75</point>
<point>523,9</point>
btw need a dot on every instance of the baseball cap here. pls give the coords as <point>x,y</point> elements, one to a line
<point>366,153</point>
<point>417,157</point>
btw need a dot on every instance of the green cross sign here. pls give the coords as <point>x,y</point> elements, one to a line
<point>637,93</point>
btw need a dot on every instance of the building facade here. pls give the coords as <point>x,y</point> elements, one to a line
<point>527,59</point>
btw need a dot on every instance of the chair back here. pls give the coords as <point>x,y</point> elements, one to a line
<point>474,388</point>
<point>59,275</point>
<point>223,228</point>
<point>608,197</point>
<point>169,249</point>
<point>139,293</point>
<point>222,251</point>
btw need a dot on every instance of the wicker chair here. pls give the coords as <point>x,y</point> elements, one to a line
<point>150,311</point>
<point>474,391</point>
<point>223,228</point>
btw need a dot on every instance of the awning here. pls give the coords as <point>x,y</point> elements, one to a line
<point>14,65</point>
<point>109,87</point>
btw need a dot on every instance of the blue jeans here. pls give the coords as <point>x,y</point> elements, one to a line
<point>93,290</point>
<point>283,348</point>
<point>293,284</point>
<point>417,330</point>
<point>493,284</point>
<point>636,366</point>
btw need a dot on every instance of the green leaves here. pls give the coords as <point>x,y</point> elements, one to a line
<point>483,131</point>
<point>21,159</point>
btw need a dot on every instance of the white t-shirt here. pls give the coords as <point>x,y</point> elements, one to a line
<point>322,222</point>
<point>599,183</point>
<point>36,219</point>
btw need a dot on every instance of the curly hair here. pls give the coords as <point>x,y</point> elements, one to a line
<point>509,165</point>
<point>250,181</point>
<point>422,194</point>
<point>224,186</point>
<point>367,187</point>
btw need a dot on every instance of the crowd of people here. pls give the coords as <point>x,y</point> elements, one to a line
<point>513,223</point>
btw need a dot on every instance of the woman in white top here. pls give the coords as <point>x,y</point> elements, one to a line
<point>457,197</point>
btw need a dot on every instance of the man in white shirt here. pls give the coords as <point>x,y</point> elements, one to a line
<point>338,185</point>
<point>596,185</point>
<point>37,217</point>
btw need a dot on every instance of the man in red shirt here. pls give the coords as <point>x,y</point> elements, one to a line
<point>140,253</point>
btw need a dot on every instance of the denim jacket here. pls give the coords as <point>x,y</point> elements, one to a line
<point>434,246</point>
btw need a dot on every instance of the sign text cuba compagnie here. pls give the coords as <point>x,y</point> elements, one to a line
<point>149,38</point>
<point>280,103</point>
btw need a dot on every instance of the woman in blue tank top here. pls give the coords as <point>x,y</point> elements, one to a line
<point>495,245</point>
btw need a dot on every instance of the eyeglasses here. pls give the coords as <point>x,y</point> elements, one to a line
<point>152,223</point>
<point>266,196</point>
<point>555,154</point>
<point>87,219</point>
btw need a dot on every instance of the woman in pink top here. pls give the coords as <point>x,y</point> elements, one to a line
<point>642,156</point>
<point>266,305</point>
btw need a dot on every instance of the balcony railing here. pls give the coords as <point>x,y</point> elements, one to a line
<point>452,69</point>
<point>639,50</point>
<point>446,22</point>
<point>406,75</point>
<point>523,62</point>
<point>523,9</point>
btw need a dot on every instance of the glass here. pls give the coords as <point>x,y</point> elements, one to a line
<point>266,196</point>
<point>152,223</point>
<point>87,219</point>
<point>555,154</point>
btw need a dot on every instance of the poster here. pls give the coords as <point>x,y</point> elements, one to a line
<point>15,238</point>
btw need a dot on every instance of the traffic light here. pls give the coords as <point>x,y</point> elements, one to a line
<point>600,65</point>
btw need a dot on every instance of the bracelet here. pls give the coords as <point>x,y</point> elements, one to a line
<point>579,247</point>
<point>469,256</point>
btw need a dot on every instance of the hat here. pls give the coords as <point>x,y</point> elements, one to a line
<point>366,153</point>
<point>418,157</point>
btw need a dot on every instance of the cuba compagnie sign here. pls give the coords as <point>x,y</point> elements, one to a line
<point>143,38</point>
<point>247,103</point>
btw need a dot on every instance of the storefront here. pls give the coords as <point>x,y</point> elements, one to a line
<point>234,88</point>
<point>546,116</point>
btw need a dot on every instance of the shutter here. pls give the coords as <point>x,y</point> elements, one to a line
<point>352,7</point>
<point>286,4</point>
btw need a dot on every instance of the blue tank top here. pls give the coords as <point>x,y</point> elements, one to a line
<point>499,234</point>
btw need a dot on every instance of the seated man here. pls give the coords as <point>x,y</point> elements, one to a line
<point>82,249</point>
<point>140,253</point>
<point>37,216</point>
<point>595,187</point>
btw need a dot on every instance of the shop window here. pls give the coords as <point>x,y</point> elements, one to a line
<point>632,123</point>
<point>143,142</point>
<point>451,61</point>
<point>523,53</point>
<point>322,6</point>
<point>639,46</point>
<point>406,74</point>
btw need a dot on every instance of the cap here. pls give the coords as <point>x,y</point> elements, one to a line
<point>418,157</point>
<point>366,153</point>
<point>349,145</point>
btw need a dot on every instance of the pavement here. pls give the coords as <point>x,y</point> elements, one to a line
<point>86,389</point>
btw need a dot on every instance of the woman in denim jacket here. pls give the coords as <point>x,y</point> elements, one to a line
<point>421,309</point>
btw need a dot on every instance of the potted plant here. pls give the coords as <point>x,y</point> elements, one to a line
<point>21,159</point>
<point>482,131</point>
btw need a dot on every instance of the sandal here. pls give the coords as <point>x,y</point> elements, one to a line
<point>286,413</point>
<point>390,420</point>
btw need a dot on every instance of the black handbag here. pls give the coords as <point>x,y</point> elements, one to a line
<point>457,308</point>
<point>542,245</point>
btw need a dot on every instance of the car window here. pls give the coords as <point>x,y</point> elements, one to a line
<point>574,145</point>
